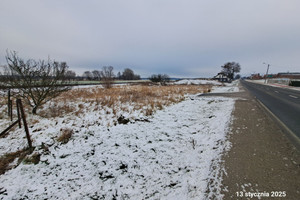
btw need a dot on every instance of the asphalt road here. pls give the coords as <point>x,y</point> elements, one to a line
<point>284,103</point>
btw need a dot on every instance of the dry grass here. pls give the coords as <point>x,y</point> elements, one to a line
<point>146,98</point>
<point>66,134</point>
<point>8,158</point>
<point>56,110</point>
<point>4,107</point>
<point>32,159</point>
<point>141,96</point>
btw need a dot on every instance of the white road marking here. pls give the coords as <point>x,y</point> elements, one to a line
<point>293,96</point>
<point>276,91</point>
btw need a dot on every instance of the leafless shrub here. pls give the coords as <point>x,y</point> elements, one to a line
<point>66,134</point>
<point>159,106</point>
<point>149,111</point>
<point>32,159</point>
<point>37,81</point>
<point>80,106</point>
<point>107,76</point>
<point>56,110</point>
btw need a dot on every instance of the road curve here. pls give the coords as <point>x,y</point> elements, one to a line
<point>284,103</point>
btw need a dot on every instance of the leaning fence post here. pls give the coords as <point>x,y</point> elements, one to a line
<point>25,123</point>
<point>18,111</point>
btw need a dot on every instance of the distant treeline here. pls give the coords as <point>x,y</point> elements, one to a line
<point>127,74</point>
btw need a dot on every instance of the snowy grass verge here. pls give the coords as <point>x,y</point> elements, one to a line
<point>172,155</point>
<point>197,82</point>
<point>227,88</point>
<point>94,106</point>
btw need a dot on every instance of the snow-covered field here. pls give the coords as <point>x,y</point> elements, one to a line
<point>197,82</point>
<point>173,154</point>
<point>232,87</point>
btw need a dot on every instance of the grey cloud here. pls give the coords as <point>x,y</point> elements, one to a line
<point>181,38</point>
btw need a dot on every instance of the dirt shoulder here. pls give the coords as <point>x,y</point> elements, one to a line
<point>261,159</point>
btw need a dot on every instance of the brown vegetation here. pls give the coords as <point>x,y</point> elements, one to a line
<point>148,98</point>
<point>66,134</point>
<point>32,159</point>
<point>8,158</point>
<point>56,110</point>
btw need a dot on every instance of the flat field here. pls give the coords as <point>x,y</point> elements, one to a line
<point>127,142</point>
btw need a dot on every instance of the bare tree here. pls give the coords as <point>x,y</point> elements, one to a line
<point>37,81</point>
<point>107,76</point>
<point>88,75</point>
<point>119,76</point>
<point>230,68</point>
<point>96,75</point>
<point>160,78</point>
<point>128,74</point>
<point>70,75</point>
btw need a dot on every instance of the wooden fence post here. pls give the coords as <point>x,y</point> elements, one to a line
<point>9,106</point>
<point>11,110</point>
<point>24,123</point>
<point>8,103</point>
<point>18,111</point>
<point>6,130</point>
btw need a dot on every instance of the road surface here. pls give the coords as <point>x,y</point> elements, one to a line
<point>282,102</point>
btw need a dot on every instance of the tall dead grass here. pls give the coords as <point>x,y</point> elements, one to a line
<point>8,158</point>
<point>147,98</point>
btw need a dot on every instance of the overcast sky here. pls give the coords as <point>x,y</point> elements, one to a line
<point>182,38</point>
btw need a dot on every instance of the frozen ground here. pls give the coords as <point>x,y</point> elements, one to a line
<point>197,82</point>
<point>174,154</point>
<point>232,87</point>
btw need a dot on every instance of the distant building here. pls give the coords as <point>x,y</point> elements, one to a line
<point>289,78</point>
<point>222,77</point>
<point>271,76</point>
<point>256,76</point>
<point>290,75</point>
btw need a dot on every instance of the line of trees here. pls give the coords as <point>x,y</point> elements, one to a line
<point>40,81</point>
<point>160,78</point>
<point>127,74</point>
<point>106,75</point>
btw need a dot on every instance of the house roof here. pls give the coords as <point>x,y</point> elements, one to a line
<point>221,75</point>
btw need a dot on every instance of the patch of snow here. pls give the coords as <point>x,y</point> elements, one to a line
<point>172,155</point>
<point>197,82</point>
<point>229,87</point>
<point>86,86</point>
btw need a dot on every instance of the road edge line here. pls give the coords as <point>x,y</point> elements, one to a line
<point>289,133</point>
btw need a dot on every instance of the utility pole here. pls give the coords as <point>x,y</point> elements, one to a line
<point>267,72</point>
